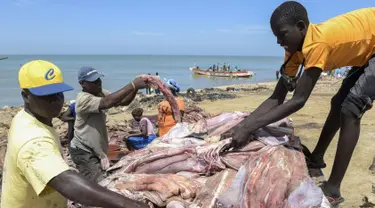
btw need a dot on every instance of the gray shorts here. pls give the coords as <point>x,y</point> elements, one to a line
<point>87,164</point>
<point>362,93</point>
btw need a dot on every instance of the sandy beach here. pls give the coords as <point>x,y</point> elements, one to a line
<point>308,122</point>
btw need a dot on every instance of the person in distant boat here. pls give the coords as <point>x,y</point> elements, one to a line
<point>89,147</point>
<point>145,133</point>
<point>214,67</point>
<point>321,48</point>
<point>165,116</point>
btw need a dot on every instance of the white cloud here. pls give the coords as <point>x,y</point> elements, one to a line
<point>148,33</point>
<point>250,29</point>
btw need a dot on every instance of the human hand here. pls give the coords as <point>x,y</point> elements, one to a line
<point>104,163</point>
<point>240,137</point>
<point>140,83</point>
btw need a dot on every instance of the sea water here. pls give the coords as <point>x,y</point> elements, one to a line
<point>119,70</point>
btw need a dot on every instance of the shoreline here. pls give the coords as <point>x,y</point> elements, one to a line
<point>222,87</point>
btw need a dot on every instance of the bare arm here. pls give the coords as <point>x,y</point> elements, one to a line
<point>78,189</point>
<point>277,98</point>
<point>303,90</point>
<point>67,115</point>
<point>115,98</point>
<point>128,99</point>
<point>142,133</point>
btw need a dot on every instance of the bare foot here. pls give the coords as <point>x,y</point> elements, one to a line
<point>316,161</point>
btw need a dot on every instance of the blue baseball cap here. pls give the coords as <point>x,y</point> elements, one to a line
<point>88,73</point>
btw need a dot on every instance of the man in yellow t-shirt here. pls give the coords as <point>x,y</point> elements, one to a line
<point>35,174</point>
<point>346,40</point>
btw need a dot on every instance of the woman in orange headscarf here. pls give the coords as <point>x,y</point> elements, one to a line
<point>165,117</point>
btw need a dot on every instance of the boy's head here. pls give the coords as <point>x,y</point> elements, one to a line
<point>42,87</point>
<point>137,114</point>
<point>289,23</point>
<point>89,79</point>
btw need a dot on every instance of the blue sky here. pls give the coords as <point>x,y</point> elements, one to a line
<point>172,27</point>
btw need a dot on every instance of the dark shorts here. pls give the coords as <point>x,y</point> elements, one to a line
<point>357,91</point>
<point>87,164</point>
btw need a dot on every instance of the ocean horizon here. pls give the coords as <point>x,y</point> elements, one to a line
<point>119,70</point>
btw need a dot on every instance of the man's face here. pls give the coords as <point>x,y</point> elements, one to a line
<point>289,36</point>
<point>48,106</point>
<point>94,87</point>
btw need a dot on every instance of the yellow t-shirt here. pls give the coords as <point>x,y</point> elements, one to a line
<point>32,159</point>
<point>345,40</point>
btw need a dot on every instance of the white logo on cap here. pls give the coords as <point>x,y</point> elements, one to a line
<point>90,72</point>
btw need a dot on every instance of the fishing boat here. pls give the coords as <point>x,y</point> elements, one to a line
<point>210,72</point>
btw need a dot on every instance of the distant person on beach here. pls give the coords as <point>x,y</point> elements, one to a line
<point>148,89</point>
<point>320,48</point>
<point>157,91</point>
<point>165,116</point>
<point>145,133</point>
<point>35,173</point>
<point>69,116</point>
<point>277,74</point>
<point>89,147</point>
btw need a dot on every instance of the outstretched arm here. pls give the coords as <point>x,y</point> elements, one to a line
<point>277,98</point>
<point>78,189</point>
<point>303,90</point>
<point>122,95</point>
<point>128,99</point>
